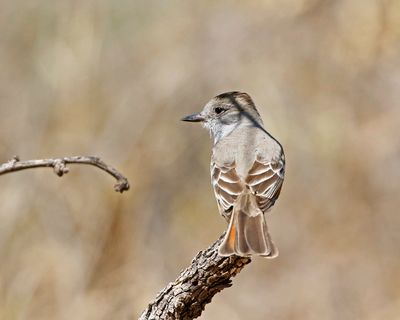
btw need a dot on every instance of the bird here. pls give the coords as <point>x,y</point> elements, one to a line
<point>247,172</point>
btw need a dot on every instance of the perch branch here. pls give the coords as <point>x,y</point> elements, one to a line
<point>187,297</point>
<point>59,166</point>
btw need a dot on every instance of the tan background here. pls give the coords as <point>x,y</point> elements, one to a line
<point>112,78</point>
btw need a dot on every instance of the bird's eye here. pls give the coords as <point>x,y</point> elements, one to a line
<point>219,110</point>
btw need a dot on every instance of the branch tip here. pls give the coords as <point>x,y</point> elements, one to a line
<point>121,186</point>
<point>60,168</point>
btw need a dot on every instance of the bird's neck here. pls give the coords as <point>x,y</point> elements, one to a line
<point>220,132</point>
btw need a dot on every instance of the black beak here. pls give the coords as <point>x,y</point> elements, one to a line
<point>196,117</point>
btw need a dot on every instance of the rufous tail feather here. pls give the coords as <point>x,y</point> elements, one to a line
<point>247,232</point>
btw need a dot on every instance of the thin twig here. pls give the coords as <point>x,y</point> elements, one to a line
<point>59,166</point>
<point>187,296</point>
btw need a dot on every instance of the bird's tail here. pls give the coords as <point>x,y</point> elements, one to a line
<point>247,232</point>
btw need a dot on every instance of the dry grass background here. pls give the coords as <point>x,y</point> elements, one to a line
<point>112,78</point>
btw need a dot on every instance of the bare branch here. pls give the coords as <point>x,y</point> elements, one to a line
<point>187,297</point>
<point>59,166</point>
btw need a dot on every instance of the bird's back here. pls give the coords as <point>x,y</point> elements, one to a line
<point>243,146</point>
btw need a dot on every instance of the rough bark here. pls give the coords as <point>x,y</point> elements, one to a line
<point>187,296</point>
<point>59,166</point>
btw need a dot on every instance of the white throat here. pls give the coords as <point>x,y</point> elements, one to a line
<point>218,130</point>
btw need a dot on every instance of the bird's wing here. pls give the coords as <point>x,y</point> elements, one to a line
<point>227,186</point>
<point>265,180</point>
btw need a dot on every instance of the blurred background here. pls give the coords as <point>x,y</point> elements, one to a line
<point>113,78</point>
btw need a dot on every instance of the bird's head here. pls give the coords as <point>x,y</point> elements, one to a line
<point>223,113</point>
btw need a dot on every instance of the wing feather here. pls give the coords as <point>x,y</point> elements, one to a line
<point>265,181</point>
<point>227,187</point>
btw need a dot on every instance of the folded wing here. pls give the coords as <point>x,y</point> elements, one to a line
<point>265,182</point>
<point>227,187</point>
